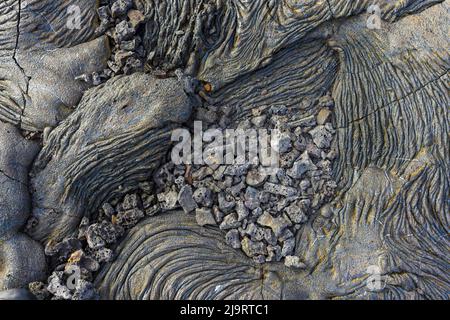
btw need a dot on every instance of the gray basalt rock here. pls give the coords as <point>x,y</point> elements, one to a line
<point>43,49</point>
<point>15,159</point>
<point>186,200</point>
<point>22,261</point>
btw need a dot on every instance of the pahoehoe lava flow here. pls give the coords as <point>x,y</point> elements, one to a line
<point>92,93</point>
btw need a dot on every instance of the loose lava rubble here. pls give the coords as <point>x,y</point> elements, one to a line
<point>259,213</point>
<point>121,21</point>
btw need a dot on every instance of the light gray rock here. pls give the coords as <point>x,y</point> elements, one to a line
<point>84,290</point>
<point>280,189</point>
<point>296,214</point>
<point>124,31</point>
<point>57,287</point>
<point>288,247</point>
<point>203,197</point>
<point>259,121</point>
<point>102,255</point>
<point>108,209</point>
<point>241,211</point>
<point>284,143</point>
<point>237,169</point>
<point>300,167</point>
<point>131,201</point>
<point>255,232</point>
<point>236,189</point>
<point>255,178</point>
<point>322,137</point>
<point>168,199</point>
<point>204,216</point>
<point>232,239</point>
<point>257,212</point>
<point>252,198</point>
<point>270,237</point>
<point>230,221</point>
<point>186,200</point>
<point>277,224</point>
<point>294,262</point>
<point>225,205</point>
<point>120,7</point>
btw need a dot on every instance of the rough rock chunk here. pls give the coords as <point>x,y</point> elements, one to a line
<point>255,178</point>
<point>274,253</point>
<point>230,221</point>
<point>120,7</point>
<point>136,17</point>
<point>39,290</point>
<point>81,259</point>
<point>232,239</point>
<point>186,199</point>
<point>253,248</point>
<point>102,255</point>
<point>100,234</point>
<point>241,210</point>
<point>296,213</point>
<point>251,198</point>
<point>108,209</point>
<point>294,262</point>
<point>129,218</point>
<point>57,287</point>
<point>168,199</point>
<point>131,201</point>
<point>278,224</point>
<point>284,143</point>
<point>84,290</point>
<point>301,166</point>
<point>203,196</point>
<point>279,189</point>
<point>322,137</point>
<point>204,216</point>
<point>288,247</point>
<point>224,205</point>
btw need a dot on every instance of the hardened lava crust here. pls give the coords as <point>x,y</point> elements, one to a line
<point>117,118</point>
